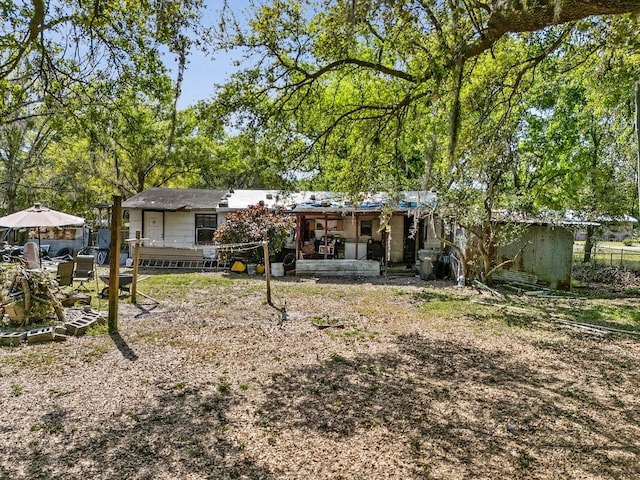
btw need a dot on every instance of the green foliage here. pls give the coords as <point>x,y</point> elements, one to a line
<point>69,120</point>
<point>256,224</point>
<point>410,95</point>
<point>16,390</point>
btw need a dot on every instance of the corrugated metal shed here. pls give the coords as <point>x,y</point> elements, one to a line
<point>543,251</point>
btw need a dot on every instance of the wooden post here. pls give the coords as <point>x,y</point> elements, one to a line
<point>299,239</point>
<point>114,263</point>
<point>638,140</point>
<point>267,270</point>
<point>357,217</point>
<point>136,257</point>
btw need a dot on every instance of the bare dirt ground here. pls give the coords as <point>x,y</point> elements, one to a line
<point>393,379</point>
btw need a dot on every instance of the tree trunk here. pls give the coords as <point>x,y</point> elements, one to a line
<point>588,243</point>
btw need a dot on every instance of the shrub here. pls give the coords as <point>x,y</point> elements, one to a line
<point>627,242</point>
<point>256,224</point>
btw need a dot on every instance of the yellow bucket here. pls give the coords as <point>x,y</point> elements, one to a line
<point>238,267</point>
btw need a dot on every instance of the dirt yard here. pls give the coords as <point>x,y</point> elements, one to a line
<point>396,379</point>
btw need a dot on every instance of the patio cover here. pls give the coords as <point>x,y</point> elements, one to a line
<point>38,216</point>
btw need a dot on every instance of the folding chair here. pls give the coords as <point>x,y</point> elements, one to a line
<point>64,274</point>
<point>84,270</point>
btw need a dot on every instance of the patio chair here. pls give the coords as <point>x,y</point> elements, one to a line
<point>84,270</point>
<point>64,274</point>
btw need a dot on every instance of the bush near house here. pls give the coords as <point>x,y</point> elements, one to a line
<point>255,224</point>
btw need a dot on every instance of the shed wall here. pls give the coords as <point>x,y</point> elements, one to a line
<point>547,252</point>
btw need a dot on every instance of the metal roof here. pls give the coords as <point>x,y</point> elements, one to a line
<point>334,202</point>
<point>542,218</point>
<point>240,199</point>
<point>175,199</point>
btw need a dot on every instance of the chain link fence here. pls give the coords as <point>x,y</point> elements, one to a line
<point>628,257</point>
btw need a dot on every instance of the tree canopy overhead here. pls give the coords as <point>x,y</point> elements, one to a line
<point>493,104</point>
<point>76,71</point>
<point>388,65</point>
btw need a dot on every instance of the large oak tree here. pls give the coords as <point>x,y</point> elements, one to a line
<point>417,93</point>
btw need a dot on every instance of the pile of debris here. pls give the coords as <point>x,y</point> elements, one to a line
<point>613,276</point>
<point>32,296</point>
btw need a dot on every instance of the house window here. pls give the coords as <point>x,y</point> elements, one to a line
<point>366,228</point>
<point>206,225</point>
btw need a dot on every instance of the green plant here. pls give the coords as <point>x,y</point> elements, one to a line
<point>97,329</point>
<point>224,386</point>
<point>336,358</point>
<point>627,242</point>
<point>256,224</point>
<point>96,352</point>
<point>16,390</point>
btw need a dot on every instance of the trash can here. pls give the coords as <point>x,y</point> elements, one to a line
<point>426,258</point>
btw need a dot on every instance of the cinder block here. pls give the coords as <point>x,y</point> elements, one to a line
<point>40,335</point>
<point>60,330</point>
<point>12,338</point>
<point>79,326</point>
<point>76,328</point>
<point>93,315</point>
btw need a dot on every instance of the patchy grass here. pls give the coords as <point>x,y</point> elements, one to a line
<point>32,358</point>
<point>96,352</point>
<point>365,379</point>
<point>17,390</point>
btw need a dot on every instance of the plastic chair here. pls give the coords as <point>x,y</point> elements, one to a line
<point>84,270</point>
<point>64,274</point>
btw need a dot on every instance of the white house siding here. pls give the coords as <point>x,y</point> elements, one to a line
<point>135,222</point>
<point>431,235</point>
<point>179,228</point>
